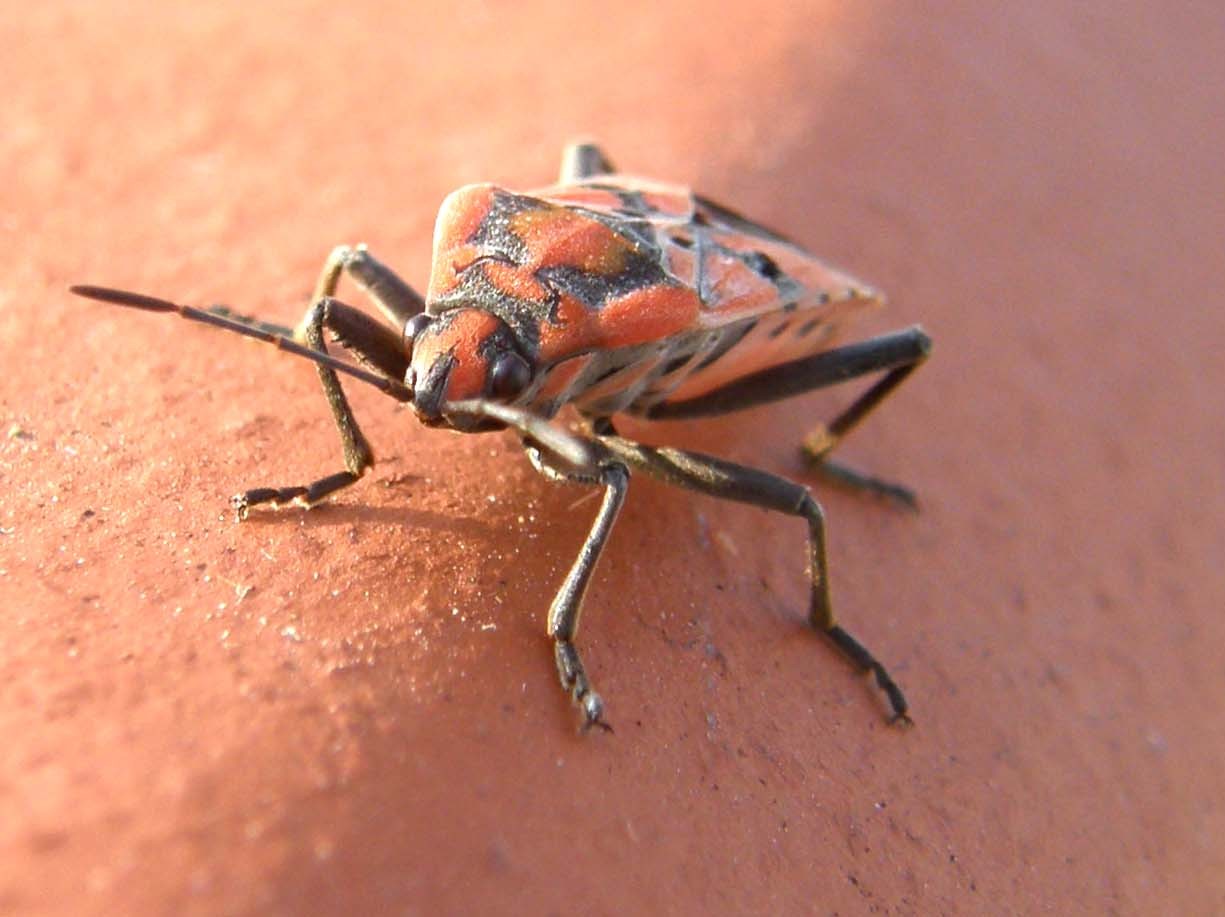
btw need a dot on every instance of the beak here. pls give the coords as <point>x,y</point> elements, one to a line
<point>429,392</point>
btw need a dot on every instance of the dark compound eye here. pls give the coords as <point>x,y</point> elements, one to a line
<point>413,327</point>
<point>509,376</point>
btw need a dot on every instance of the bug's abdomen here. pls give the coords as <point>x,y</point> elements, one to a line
<point>625,379</point>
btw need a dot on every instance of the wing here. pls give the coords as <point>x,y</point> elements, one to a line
<point>764,299</point>
<point>738,267</point>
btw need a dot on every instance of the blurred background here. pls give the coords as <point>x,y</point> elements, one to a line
<point>355,709</point>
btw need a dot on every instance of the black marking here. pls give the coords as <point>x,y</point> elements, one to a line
<point>777,330</point>
<point>676,363</point>
<point>681,241</point>
<point>496,258</point>
<point>494,234</point>
<point>733,220</point>
<point>809,326</point>
<point>430,391</point>
<point>632,220</point>
<point>732,337</point>
<point>613,362</point>
<point>476,291</point>
<point>499,341</point>
<point>594,289</point>
<point>607,374</point>
<point>764,265</point>
<point>632,202</point>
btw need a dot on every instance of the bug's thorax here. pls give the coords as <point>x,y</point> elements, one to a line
<point>461,355</point>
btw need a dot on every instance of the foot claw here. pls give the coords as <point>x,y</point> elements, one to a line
<point>593,713</point>
<point>273,496</point>
<point>902,496</point>
<point>856,481</point>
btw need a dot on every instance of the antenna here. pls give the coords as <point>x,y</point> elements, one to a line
<point>392,387</point>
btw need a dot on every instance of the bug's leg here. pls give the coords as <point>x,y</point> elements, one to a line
<point>395,298</point>
<point>583,160</point>
<point>375,345</point>
<point>729,481</point>
<point>822,440</point>
<point>567,605</point>
<point>897,355</point>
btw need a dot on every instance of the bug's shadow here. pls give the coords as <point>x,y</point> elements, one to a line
<point>330,515</point>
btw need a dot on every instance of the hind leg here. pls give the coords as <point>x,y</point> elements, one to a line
<point>818,444</point>
<point>897,355</point>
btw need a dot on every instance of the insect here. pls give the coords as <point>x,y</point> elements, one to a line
<point>616,296</point>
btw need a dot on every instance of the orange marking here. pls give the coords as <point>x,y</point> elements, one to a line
<point>559,236</point>
<point>562,375</point>
<point>681,263</point>
<point>643,315</point>
<point>670,202</point>
<point>462,337</point>
<point>459,217</point>
<point>734,287</point>
<point>513,280</point>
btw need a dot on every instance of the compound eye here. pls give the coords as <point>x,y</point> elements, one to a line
<point>413,327</point>
<point>509,376</point>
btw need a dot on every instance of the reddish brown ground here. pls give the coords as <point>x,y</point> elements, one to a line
<point>354,710</point>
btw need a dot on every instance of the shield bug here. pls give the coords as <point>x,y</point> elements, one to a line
<point>616,296</point>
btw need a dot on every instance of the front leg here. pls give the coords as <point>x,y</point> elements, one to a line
<point>567,606</point>
<point>375,345</point>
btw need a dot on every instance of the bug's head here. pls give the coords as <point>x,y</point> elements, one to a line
<point>461,355</point>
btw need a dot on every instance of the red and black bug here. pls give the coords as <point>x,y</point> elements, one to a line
<point>614,295</point>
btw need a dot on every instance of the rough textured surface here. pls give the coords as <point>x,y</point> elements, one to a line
<point>354,709</point>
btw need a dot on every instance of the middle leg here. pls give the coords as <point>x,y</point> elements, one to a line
<point>394,297</point>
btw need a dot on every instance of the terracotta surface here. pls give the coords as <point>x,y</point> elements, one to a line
<point>354,710</point>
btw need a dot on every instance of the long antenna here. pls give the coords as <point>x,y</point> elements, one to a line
<point>391,387</point>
